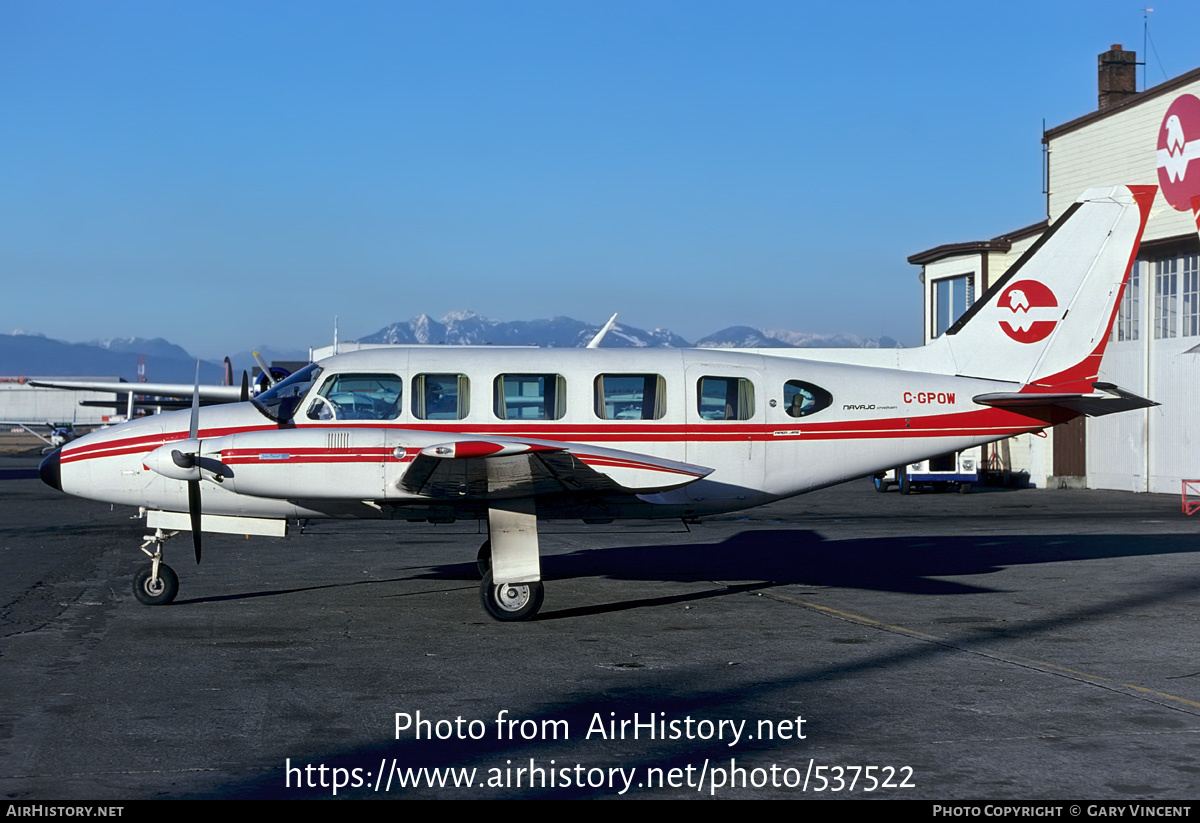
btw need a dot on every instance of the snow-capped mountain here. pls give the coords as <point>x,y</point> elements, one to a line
<point>156,347</point>
<point>746,337</point>
<point>469,328</point>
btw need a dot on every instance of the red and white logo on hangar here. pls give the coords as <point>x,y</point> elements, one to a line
<point>1178,146</point>
<point>1031,303</point>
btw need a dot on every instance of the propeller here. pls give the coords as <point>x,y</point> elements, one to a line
<point>193,486</point>
<point>245,387</point>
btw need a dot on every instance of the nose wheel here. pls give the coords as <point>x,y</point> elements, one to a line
<point>510,602</point>
<point>155,589</point>
<point>156,584</point>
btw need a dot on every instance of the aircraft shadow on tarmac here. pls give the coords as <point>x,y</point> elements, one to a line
<point>766,558</point>
<point>803,557</point>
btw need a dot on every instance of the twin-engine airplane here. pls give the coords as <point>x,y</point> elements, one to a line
<point>515,436</point>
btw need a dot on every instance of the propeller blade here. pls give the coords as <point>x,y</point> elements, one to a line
<point>266,370</point>
<point>195,427</point>
<point>245,386</point>
<point>193,487</point>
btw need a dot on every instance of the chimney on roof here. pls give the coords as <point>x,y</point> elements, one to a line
<point>1118,75</point>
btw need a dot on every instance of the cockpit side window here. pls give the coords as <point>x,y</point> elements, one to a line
<point>281,400</point>
<point>351,396</point>
<point>801,399</point>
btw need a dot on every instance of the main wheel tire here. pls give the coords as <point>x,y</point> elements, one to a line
<point>155,592</point>
<point>881,485</point>
<point>905,483</point>
<point>483,560</point>
<point>964,488</point>
<point>510,602</point>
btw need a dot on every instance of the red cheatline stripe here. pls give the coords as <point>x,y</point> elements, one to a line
<point>295,459</point>
<point>990,422</point>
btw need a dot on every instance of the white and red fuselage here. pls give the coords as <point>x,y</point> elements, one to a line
<point>444,431</point>
<point>307,467</point>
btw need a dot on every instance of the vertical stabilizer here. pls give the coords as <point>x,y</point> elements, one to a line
<point>1045,323</point>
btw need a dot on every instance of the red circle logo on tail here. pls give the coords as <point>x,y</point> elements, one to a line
<point>1178,146</point>
<point>1028,300</point>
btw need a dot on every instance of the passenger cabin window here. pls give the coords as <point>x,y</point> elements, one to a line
<point>801,399</point>
<point>631,397</point>
<point>357,397</point>
<point>441,396</point>
<point>725,398</point>
<point>530,396</point>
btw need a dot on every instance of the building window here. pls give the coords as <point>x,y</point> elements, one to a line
<point>1166,289</point>
<point>1126,327</point>
<point>1189,315</point>
<point>630,397</point>
<point>952,296</point>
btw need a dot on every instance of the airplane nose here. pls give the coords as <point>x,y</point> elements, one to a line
<point>50,471</point>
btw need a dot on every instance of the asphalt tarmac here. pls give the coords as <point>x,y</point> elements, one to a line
<point>1019,644</point>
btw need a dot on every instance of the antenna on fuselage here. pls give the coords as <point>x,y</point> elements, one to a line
<point>595,344</point>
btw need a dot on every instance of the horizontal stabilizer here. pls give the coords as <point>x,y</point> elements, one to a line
<point>1108,399</point>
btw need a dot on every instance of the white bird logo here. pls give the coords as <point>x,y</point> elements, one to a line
<point>1174,157</point>
<point>1175,139</point>
<point>1018,300</point>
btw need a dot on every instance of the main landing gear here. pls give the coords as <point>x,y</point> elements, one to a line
<point>511,554</point>
<point>510,602</point>
<point>156,584</point>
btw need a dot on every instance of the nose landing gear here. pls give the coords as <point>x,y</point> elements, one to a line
<point>156,584</point>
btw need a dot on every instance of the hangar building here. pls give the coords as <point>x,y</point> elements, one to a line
<point>1133,138</point>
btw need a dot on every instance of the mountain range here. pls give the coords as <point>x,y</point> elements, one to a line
<point>471,329</point>
<point>31,354</point>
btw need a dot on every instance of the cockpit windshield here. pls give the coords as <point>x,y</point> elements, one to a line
<point>281,400</point>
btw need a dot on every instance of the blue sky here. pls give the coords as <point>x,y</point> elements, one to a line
<point>232,174</point>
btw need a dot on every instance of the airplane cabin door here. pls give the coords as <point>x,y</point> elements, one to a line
<point>725,421</point>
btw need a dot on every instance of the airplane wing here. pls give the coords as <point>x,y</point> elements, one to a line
<point>499,468</point>
<point>1107,400</point>
<point>219,394</point>
<point>404,465</point>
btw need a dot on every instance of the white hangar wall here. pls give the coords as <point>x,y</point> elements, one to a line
<point>1159,320</point>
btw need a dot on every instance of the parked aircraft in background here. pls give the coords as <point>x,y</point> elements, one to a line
<point>516,436</point>
<point>156,398</point>
<point>52,434</point>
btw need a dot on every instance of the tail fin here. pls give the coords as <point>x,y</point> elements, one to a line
<point>1045,323</point>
